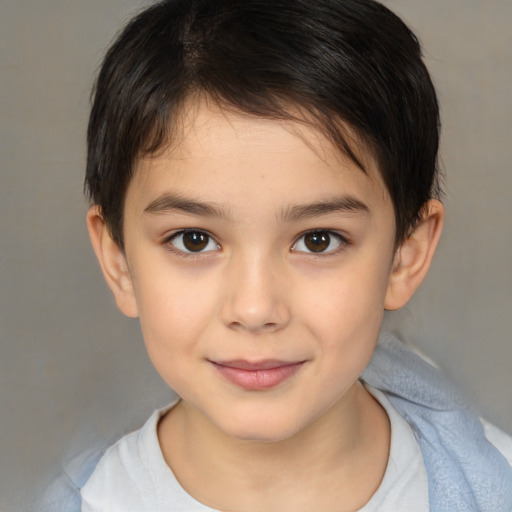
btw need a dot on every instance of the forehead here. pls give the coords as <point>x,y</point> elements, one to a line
<point>217,151</point>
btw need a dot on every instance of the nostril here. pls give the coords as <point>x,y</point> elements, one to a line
<point>235,325</point>
<point>266,327</point>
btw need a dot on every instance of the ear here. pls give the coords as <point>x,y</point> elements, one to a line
<point>413,257</point>
<point>112,261</point>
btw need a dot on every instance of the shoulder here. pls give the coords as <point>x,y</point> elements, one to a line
<point>464,469</point>
<point>404,486</point>
<point>499,439</point>
<point>126,476</point>
<point>119,473</point>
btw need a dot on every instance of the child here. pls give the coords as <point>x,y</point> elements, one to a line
<point>263,176</point>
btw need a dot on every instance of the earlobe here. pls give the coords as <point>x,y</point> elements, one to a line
<point>414,256</point>
<point>112,261</point>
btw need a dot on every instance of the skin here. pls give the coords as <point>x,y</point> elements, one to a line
<point>254,188</point>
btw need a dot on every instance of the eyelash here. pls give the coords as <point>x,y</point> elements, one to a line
<point>186,253</point>
<point>341,240</point>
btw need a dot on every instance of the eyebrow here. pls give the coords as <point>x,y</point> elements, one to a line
<point>169,203</point>
<point>345,204</point>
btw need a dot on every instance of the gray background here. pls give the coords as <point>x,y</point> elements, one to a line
<point>74,371</point>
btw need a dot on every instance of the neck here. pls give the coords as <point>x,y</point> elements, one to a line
<point>339,458</point>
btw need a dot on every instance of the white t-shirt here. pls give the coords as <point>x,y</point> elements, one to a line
<point>133,476</point>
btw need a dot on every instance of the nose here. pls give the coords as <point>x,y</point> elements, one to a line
<point>256,298</point>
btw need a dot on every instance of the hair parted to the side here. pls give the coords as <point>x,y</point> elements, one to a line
<point>347,64</point>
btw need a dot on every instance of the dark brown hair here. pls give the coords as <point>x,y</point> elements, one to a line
<point>346,63</point>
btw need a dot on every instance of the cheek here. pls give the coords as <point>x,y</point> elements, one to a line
<point>346,315</point>
<point>173,312</point>
<point>349,299</point>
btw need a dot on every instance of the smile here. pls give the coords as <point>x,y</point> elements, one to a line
<point>257,376</point>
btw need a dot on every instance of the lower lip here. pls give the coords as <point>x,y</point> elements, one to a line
<point>256,380</point>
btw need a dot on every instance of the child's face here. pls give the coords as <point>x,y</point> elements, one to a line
<point>260,265</point>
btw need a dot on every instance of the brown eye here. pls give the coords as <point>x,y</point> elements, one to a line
<point>318,242</point>
<point>193,241</point>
